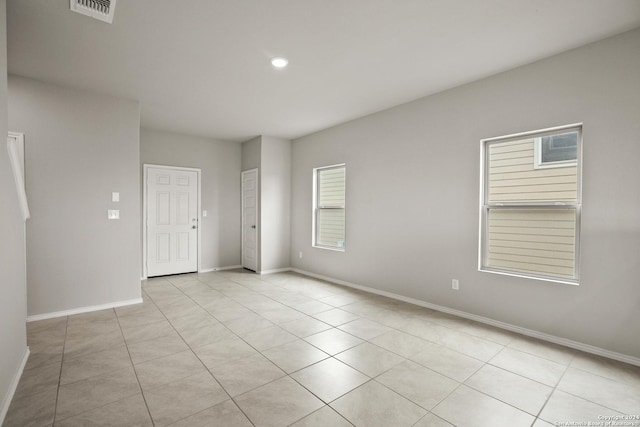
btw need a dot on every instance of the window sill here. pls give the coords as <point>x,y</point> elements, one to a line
<point>526,276</point>
<point>328,248</point>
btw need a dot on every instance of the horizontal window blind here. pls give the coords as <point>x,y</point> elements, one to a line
<point>513,178</point>
<point>330,207</point>
<point>534,240</point>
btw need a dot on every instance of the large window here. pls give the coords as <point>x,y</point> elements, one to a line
<point>329,207</point>
<point>530,204</point>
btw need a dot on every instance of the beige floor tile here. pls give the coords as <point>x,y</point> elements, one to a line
<point>157,372</point>
<point>281,315</point>
<point>329,379</point>
<point>467,407</point>
<point>206,335</point>
<point>339,300</point>
<point>323,417</point>
<point>249,323</point>
<point>292,401</point>
<point>475,347</point>
<point>144,318</point>
<point>130,412</point>
<point>295,355</point>
<point>223,351</point>
<point>197,318</point>
<point>36,410</point>
<point>305,326</point>
<point>518,391</point>
<point>372,405</point>
<point>157,347</point>
<point>44,356</point>
<point>336,317</point>
<point>141,333</point>
<point>431,420</point>
<point>487,332</point>
<point>38,379</point>
<point>364,329</point>
<point>542,423</point>
<point>563,407</point>
<point>226,314</point>
<point>418,384</point>
<point>369,359</point>
<point>242,375</point>
<point>612,369</point>
<point>108,314</point>
<point>333,341</point>
<point>99,363</point>
<point>94,392</point>
<point>91,337</point>
<point>536,368</point>
<point>225,414</point>
<point>400,343</point>
<point>603,391</point>
<point>313,307</point>
<point>447,362</point>
<point>183,398</point>
<point>264,339</point>
<point>546,350</point>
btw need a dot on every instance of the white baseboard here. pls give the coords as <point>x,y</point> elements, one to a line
<point>275,270</point>
<point>481,319</point>
<point>228,267</point>
<point>83,310</point>
<point>6,402</point>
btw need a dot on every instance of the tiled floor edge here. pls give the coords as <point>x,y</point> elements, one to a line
<point>485,320</point>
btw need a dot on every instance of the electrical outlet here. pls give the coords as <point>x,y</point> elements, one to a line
<point>300,254</point>
<point>455,284</point>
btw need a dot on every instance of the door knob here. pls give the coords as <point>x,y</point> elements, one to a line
<point>194,227</point>
<point>253,226</point>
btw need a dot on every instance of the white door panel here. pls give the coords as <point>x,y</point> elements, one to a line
<point>250,219</point>
<point>172,221</point>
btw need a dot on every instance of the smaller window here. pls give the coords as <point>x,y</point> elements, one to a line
<point>556,151</point>
<point>329,207</point>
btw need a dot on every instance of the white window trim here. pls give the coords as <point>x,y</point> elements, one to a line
<point>314,210</point>
<point>484,206</point>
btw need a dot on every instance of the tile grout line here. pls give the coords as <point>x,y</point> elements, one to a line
<point>135,372</point>
<point>64,345</point>
<point>555,387</point>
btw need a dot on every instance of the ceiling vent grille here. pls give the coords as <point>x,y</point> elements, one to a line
<point>98,9</point>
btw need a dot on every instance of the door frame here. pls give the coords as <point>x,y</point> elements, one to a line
<point>257,217</point>
<point>144,221</point>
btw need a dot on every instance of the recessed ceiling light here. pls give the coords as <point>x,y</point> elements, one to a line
<point>279,62</point>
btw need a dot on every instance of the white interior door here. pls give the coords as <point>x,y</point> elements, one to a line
<point>250,219</point>
<point>172,221</point>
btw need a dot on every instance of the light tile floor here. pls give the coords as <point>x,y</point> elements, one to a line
<point>236,349</point>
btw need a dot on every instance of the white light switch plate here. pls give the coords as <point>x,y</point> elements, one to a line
<point>204,213</point>
<point>115,196</point>
<point>113,213</point>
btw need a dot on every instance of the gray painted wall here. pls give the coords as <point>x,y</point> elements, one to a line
<point>275,202</point>
<point>219,162</point>
<point>272,157</point>
<point>413,194</point>
<point>13,304</point>
<point>80,147</point>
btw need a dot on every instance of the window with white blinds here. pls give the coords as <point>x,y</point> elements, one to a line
<point>329,207</point>
<point>530,210</point>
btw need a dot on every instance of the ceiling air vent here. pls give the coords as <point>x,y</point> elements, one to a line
<point>99,9</point>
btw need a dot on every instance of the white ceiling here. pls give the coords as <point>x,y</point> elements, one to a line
<point>202,66</point>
